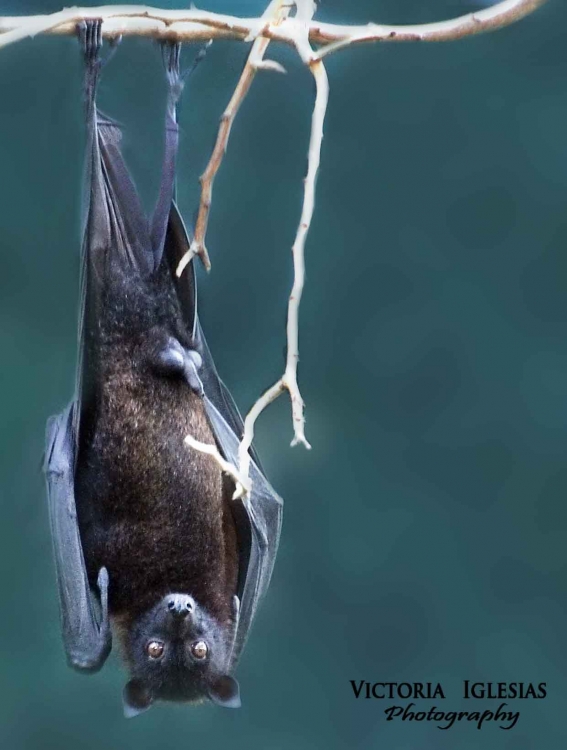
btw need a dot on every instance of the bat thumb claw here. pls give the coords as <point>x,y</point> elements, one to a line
<point>102,580</point>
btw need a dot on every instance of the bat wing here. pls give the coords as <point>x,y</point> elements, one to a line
<point>258,517</point>
<point>85,627</point>
<point>84,614</point>
<point>117,241</point>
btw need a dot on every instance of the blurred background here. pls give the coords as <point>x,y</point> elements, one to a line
<point>424,534</point>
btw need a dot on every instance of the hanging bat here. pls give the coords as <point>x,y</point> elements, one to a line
<point>149,544</point>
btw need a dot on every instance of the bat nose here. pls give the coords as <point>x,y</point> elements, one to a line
<point>180,604</point>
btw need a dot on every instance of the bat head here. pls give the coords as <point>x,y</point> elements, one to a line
<point>177,651</point>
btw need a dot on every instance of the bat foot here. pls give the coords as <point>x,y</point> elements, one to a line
<point>171,52</point>
<point>90,39</point>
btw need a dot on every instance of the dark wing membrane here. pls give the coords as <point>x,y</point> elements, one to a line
<point>258,517</point>
<point>130,232</point>
<point>116,233</point>
<point>87,641</point>
<point>114,223</point>
<point>115,227</point>
<point>116,239</point>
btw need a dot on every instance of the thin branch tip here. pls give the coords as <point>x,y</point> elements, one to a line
<point>270,65</point>
<point>301,441</point>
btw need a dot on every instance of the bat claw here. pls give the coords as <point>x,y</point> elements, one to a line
<point>171,52</point>
<point>103,580</point>
<point>81,29</point>
<point>91,41</point>
<point>90,38</point>
<point>102,583</point>
<point>201,54</point>
<point>191,375</point>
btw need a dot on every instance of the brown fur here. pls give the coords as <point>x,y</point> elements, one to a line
<point>152,510</point>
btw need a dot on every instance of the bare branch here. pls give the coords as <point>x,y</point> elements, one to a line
<point>502,14</point>
<point>249,423</point>
<point>198,25</point>
<point>276,11</point>
<point>301,32</point>
<point>289,379</point>
<point>290,376</point>
<point>133,20</point>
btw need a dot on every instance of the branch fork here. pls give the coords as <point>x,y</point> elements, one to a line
<point>301,32</point>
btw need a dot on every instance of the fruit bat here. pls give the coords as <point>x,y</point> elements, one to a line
<point>149,544</point>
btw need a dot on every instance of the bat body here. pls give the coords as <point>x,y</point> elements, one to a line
<point>148,541</point>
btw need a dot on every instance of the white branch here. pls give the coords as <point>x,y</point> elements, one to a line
<point>289,379</point>
<point>198,25</point>
<point>502,14</point>
<point>290,376</point>
<point>249,423</point>
<point>301,32</point>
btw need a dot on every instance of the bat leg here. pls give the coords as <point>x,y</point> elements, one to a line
<point>160,218</point>
<point>173,360</point>
<point>171,52</point>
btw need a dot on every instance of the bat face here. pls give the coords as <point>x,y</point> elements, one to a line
<point>176,651</point>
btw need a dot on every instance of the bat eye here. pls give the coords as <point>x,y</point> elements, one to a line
<point>154,649</point>
<point>199,649</point>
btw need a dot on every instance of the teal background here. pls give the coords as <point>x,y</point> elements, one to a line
<point>424,534</point>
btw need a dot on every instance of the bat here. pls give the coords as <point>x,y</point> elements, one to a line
<point>150,548</point>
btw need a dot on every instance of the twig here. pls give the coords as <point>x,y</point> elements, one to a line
<point>289,379</point>
<point>290,376</point>
<point>242,483</point>
<point>249,423</point>
<point>198,25</point>
<point>276,11</point>
<point>334,38</point>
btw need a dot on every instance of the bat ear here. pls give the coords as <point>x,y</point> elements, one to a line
<point>225,692</point>
<point>136,698</point>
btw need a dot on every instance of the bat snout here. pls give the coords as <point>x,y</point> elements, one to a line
<point>180,605</point>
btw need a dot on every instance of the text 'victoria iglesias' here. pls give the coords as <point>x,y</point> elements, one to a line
<point>501,716</point>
